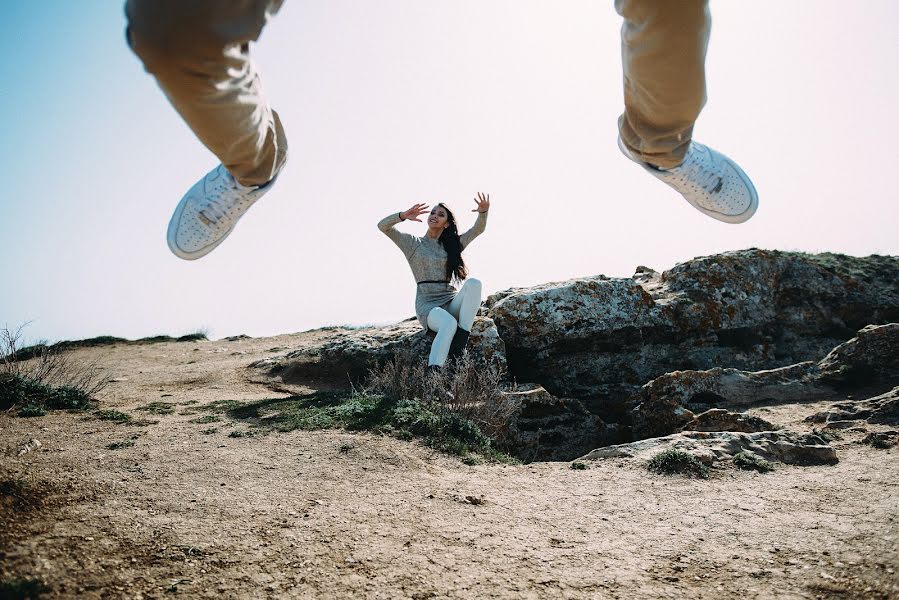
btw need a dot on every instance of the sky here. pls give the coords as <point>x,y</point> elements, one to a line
<point>392,102</point>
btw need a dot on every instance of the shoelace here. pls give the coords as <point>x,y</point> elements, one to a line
<point>217,207</point>
<point>703,174</point>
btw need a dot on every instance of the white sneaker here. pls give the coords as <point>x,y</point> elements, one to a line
<point>714,184</point>
<point>209,211</point>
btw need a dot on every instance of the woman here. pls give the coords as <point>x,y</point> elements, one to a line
<point>436,262</point>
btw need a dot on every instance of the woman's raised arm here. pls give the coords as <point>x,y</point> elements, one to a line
<point>483,205</point>
<point>404,241</point>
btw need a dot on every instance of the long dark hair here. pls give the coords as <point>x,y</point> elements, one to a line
<point>449,239</point>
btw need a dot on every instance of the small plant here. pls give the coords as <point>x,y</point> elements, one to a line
<point>46,380</point>
<point>251,433</point>
<point>749,461</point>
<point>116,416</point>
<point>828,435</point>
<point>209,431</point>
<point>677,462</point>
<point>218,407</point>
<point>198,336</point>
<point>881,439</point>
<point>578,466</point>
<point>158,408</point>
<point>32,410</point>
<point>206,419</point>
<point>469,388</point>
<point>119,445</point>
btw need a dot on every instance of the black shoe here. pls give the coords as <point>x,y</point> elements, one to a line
<point>457,346</point>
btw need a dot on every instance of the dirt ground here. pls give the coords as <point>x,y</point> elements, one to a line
<point>191,512</point>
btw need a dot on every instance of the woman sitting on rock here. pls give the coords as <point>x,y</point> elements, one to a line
<point>436,262</point>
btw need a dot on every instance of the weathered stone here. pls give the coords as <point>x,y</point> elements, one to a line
<point>710,447</point>
<point>718,419</point>
<point>663,405</point>
<point>882,409</point>
<point>598,338</point>
<point>348,354</point>
<point>667,403</point>
<point>544,427</point>
<point>870,357</point>
<point>723,331</point>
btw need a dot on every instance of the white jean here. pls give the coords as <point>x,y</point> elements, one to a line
<point>459,314</point>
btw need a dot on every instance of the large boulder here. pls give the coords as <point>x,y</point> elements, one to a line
<point>881,410</point>
<point>667,403</point>
<point>718,419</point>
<point>711,447</point>
<point>871,357</point>
<point>601,338</point>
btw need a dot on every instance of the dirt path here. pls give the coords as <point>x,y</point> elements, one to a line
<point>193,512</point>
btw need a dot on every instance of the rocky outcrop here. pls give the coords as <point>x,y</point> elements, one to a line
<point>718,419</point>
<point>350,353</point>
<point>666,404</point>
<point>544,427</point>
<point>599,338</point>
<point>776,446</point>
<point>649,353</point>
<point>881,410</point>
<point>872,356</point>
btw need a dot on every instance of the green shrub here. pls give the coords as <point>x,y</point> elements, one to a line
<point>750,461</point>
<point>678,462</point>
<point>32,410</point>
<point>17,390</point>
<point>115,416</point>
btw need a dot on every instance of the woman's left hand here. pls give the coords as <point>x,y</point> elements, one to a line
<point>483,202</point>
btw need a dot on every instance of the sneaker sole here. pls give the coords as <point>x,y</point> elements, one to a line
<point>725,218</point>
<point>172,234</point>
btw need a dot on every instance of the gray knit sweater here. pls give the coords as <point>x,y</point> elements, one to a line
<point>427,259</point>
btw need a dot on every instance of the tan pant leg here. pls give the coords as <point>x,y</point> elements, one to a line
<point>663,47</point>
<point>198,51</point>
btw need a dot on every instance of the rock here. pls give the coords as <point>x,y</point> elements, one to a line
<point>718,419</point>
<point>544,427</point>
<point>348,354</point>
<point>666,404</point>
<point>28,446</point>
<point>710,447</point>
<point>882,409</point>
<point>600,339</point>
<point>486,344</point>
<point>652,351</point>
<point>872,356</point>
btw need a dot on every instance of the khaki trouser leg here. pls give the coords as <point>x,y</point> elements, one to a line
<point>663,47</point>
<point>198,51</point>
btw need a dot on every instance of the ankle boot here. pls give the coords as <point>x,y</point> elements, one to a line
<point>457,346</point>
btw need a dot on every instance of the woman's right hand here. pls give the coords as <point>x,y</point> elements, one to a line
<point>413,213</point>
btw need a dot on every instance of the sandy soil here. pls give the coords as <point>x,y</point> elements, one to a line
<point>332,514</point>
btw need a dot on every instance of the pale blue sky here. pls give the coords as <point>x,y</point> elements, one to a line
<point>393,102</point>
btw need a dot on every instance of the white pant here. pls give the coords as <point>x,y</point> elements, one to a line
<point>460,313</point>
